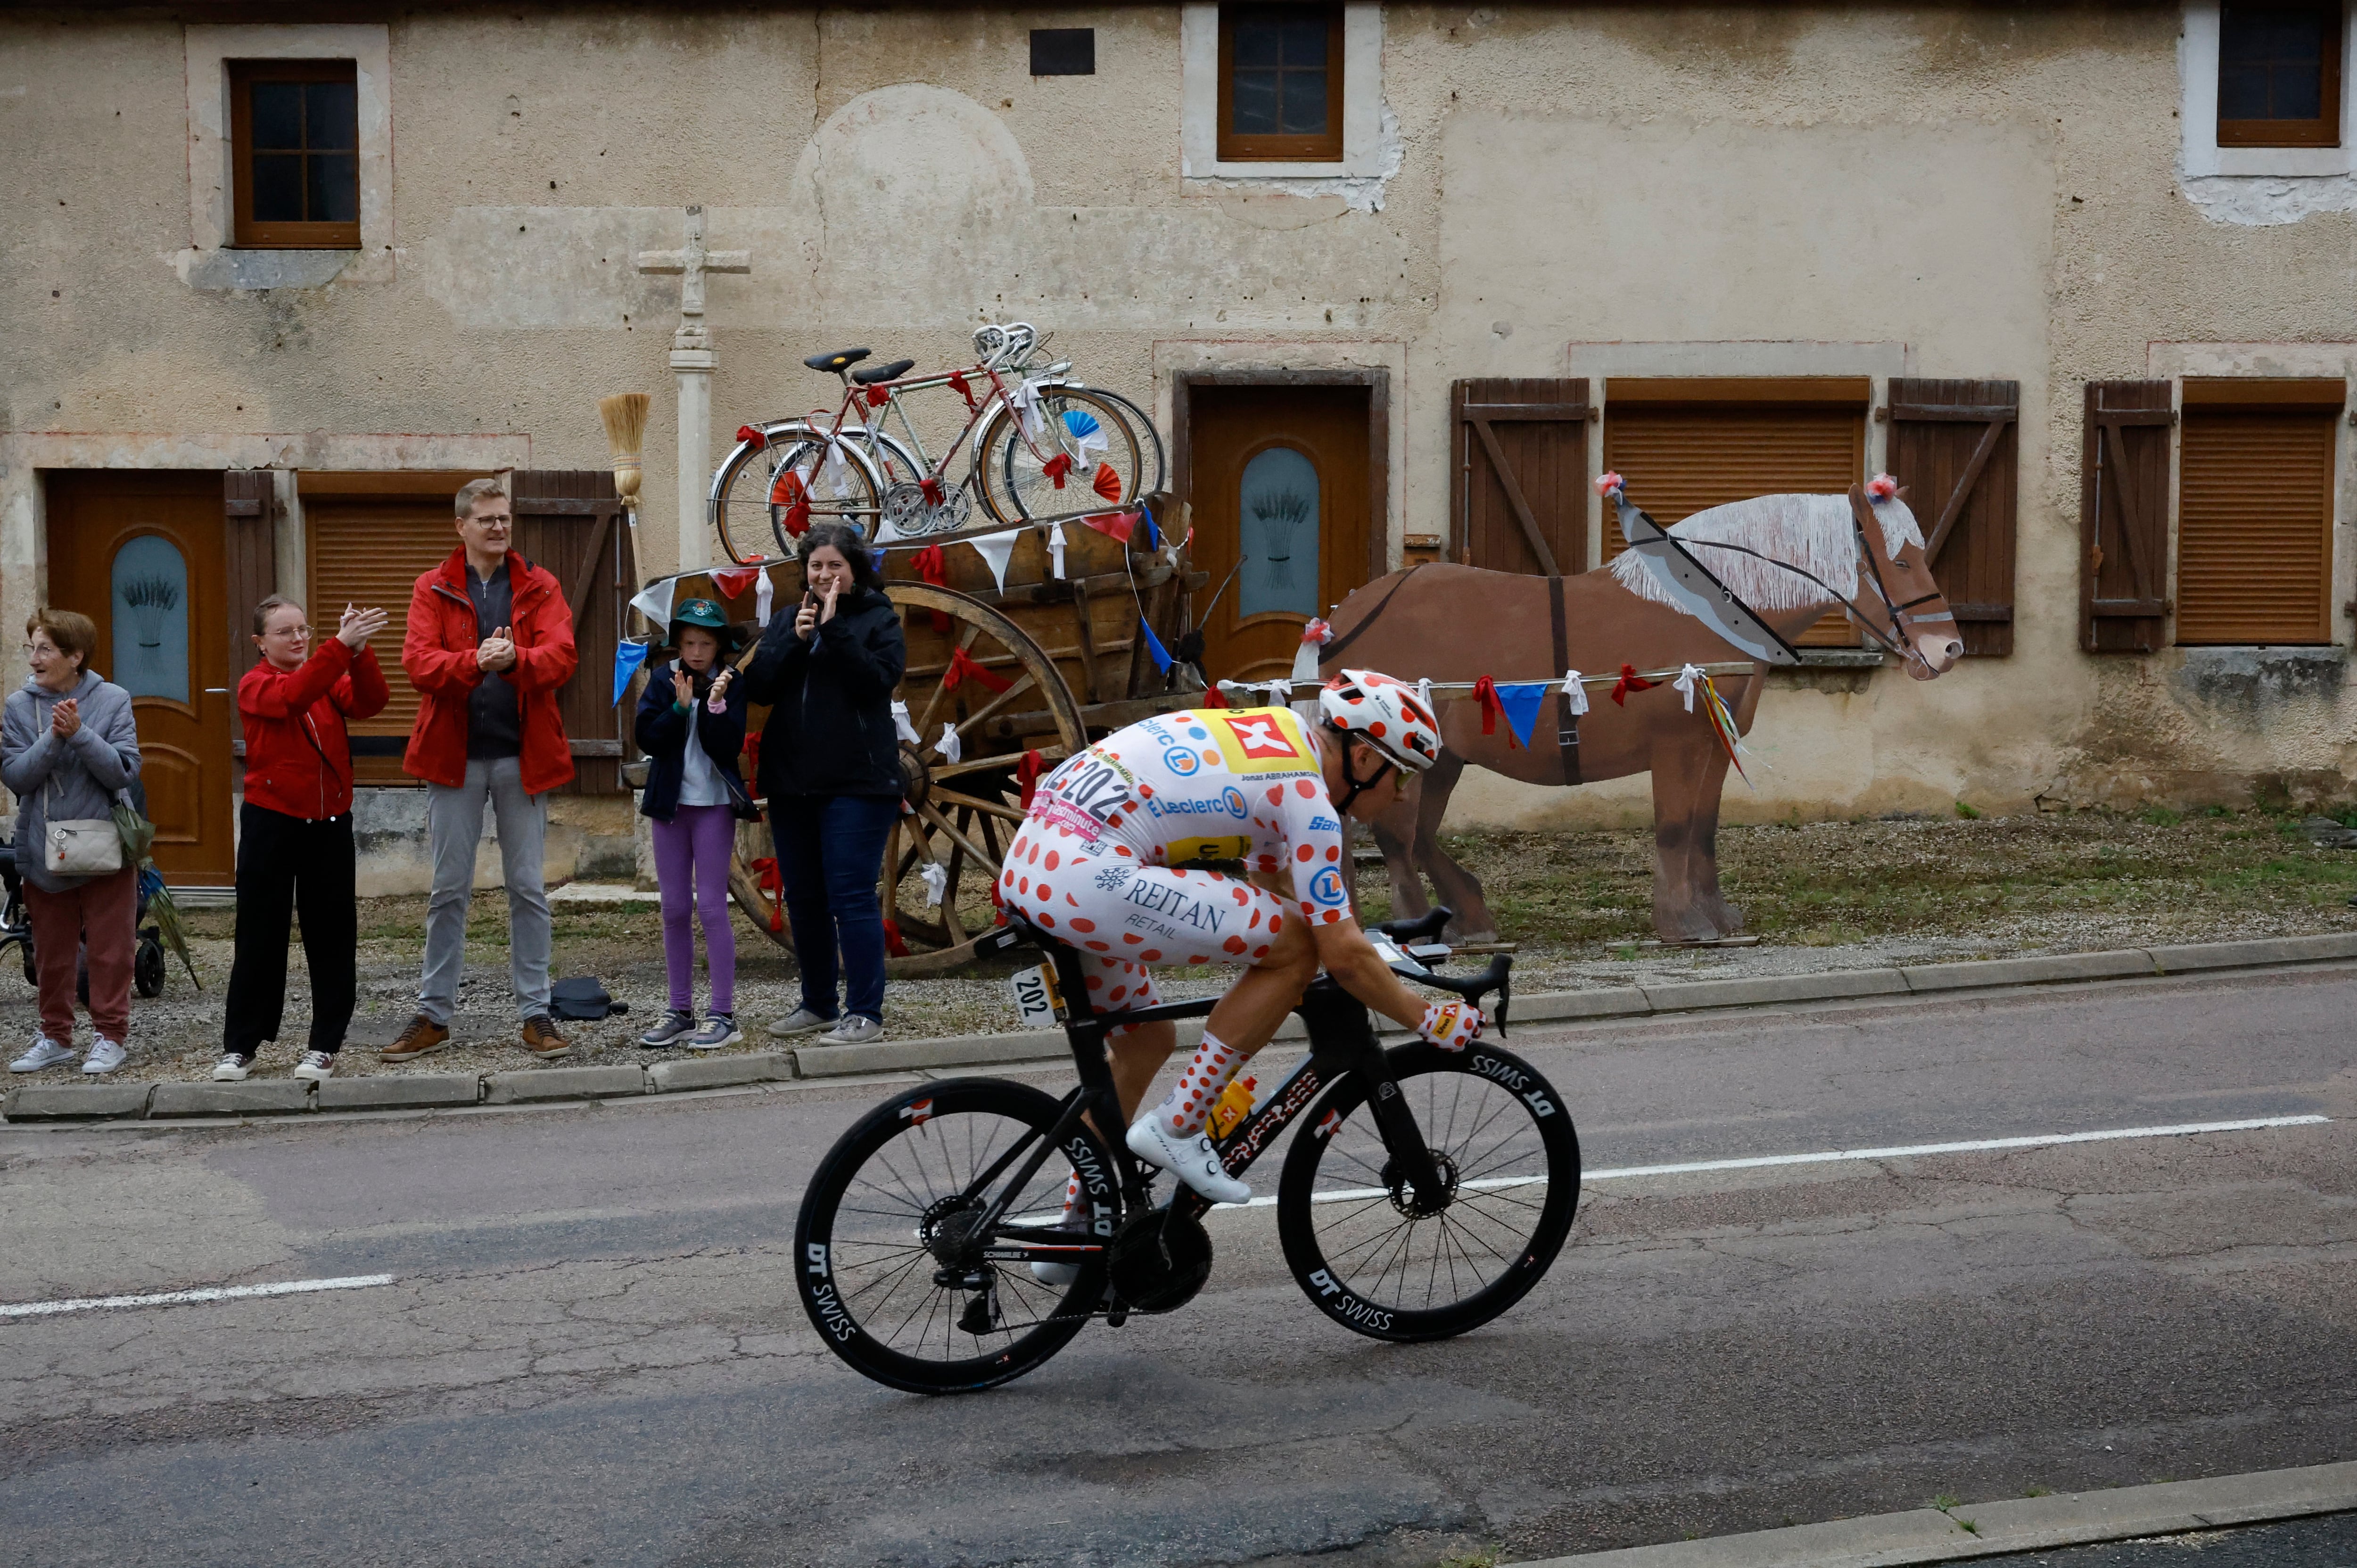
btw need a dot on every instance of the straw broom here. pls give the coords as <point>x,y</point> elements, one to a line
<point>624,417</point>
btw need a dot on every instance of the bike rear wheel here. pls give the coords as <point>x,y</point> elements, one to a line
<point>769,492</point>
<point>893,1284</point>
<point>1085,436</point>
<point>1380,1262</point>
<point>1152,473</point>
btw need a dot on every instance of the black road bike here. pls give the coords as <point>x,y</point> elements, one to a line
<point>1428,1192</point>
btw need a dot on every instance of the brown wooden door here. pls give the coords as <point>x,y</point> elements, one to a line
<point>144,555</point>
<point>1279,487</point>
<point>1519,458</point>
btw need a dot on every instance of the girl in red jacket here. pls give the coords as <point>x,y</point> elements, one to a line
<point>295,830</point>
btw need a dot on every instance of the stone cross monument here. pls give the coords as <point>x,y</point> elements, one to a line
<point>692,363</point>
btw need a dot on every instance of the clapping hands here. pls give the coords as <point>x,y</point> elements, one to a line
<point>497,651</point>
<point>358,625</point>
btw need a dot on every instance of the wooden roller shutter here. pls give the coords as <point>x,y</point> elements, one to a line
<point>1686,445</point>
<point>249,542</point>
<point>367,539</point>
<point>2124,517</point>
<point>2255,512</point>
<point>1954,444</point>
<point>570,522</point>
<point>1519,450</point>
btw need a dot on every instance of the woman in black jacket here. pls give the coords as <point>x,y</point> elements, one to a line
<point>691,725</point>
<point>831,768</point>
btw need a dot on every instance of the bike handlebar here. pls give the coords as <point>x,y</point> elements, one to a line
<point>1423,927</point>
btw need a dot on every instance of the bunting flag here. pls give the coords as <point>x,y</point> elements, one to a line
<point>764,594</point>
<point>963,667</point>
<point>995,548</point>
<point>1026,775</point>
<point>654,601</point>
<point>628,657</point>
<point>1629,681</point>
<point>1113,524</point>
<point>1521,700</point>
<point>1162,660</point>
<point>1574,694</point>
<point>1145,521</point>
<point>1214,698</point>
<point>1485,692</point>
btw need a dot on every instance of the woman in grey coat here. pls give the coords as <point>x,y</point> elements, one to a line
<point>67,751</point>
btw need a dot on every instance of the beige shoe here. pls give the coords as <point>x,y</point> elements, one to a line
<point>421,1036</point>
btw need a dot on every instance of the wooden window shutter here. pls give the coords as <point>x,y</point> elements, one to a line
<point>1519,452</point>
<point>2124,517</point>
<point>249,543</point>
<point>1687,445</point>
<point>1953,446</point>
<point>2255,512</point>
<point>570,522</point>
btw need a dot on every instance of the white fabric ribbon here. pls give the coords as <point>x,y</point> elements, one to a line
<point>1095,438</point>
<point>937,882</point>
<point>1574,694</point>
<point>1424,694</point>
<point>764,594</point>
<point>995,548</point>
<point>1026,399</point>
<point>950,748</point>
<point>1056,549</point>
<point>1685,683</point>
<point>836,473</point>
<point>901,724</point>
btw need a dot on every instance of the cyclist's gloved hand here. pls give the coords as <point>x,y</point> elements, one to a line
<point>1451,1026</point>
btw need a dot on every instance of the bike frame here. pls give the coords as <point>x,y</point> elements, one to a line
<point>857,404</point>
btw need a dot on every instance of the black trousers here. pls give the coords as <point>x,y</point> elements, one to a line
<point>284,863</point>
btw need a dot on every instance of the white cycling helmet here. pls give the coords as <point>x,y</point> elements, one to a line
<point>1386,714</point>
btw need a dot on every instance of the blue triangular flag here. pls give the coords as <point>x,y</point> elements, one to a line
<point>1162,660</point>
<point>1521,700</point>
<point>877,555</point>
<point>628,657</point>
<point>1145,521</point>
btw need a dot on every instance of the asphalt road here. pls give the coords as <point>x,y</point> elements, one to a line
<point>588,1354</point>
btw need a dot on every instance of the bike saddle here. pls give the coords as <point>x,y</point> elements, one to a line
<point>838,362</point>
<point>891,372</point>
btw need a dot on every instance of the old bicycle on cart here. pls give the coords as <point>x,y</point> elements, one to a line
<point>1427,1191</point>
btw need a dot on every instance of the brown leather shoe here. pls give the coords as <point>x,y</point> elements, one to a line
<point>420,1036</point>
<point>541,1039</point>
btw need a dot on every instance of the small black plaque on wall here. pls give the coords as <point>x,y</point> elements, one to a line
<point>1063,52</point>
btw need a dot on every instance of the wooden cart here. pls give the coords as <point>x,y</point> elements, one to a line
<point>1026,675</point>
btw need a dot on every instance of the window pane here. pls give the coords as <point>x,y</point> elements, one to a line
<point>151,618</point>
<point>1253,102</point>
<point>1256,43</point>
<point>1305,42</point>
<point>1277,512</point>
<point>2298,92</point>
<point>277,114</point>
<point>335,190</point>
<point>2243,92</point>
<point>2271,63</point>
<point>331,117</point>
<point>1305,102</point>
<point>278,187</point>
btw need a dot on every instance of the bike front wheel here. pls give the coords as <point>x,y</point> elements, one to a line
<point>1380,1260</point>
<point>888,1263</point>
<point>769,491</point>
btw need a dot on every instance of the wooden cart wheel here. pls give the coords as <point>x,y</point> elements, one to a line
<point>964,812</point>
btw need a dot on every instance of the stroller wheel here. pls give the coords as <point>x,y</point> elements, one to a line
<point>147,968</point>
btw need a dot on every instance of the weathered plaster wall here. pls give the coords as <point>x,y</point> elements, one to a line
<point>1968,191</point>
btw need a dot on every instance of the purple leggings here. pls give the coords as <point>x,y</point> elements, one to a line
<point>692,850</point>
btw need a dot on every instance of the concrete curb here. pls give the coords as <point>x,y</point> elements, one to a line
<point>1993,1529</point>
<point>29,1102</point>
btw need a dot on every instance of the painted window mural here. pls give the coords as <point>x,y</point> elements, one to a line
<point>1277,516</point>
<point>151,618</point>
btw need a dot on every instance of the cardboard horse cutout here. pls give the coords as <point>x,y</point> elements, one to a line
<point>1750,575</point>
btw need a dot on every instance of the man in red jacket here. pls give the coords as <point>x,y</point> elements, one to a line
<point>490,642</point>
<point>295,830</point>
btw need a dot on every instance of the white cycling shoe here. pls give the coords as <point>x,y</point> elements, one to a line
<point>1190,1158</point>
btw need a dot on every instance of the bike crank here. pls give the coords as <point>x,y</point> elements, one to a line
<point>1158,1260</point>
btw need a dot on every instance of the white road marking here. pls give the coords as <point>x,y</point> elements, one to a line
<point>190,1297</point>
<point>1828,1156</point>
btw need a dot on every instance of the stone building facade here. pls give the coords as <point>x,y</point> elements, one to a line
<point>1670,231</point>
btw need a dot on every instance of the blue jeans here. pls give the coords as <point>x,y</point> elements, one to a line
<point>830,856</point>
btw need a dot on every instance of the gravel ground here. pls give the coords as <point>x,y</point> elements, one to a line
<point>1820,895</point>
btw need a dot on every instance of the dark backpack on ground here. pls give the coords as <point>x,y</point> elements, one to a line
<point>582,997</point>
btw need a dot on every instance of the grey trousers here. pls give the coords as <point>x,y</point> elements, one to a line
<point>454,820</point>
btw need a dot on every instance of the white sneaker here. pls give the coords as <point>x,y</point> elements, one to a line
<point>800,1021</point>
<point>316,1066</point>
<point>46,1052</point>
<point>854,1030</point>
<point>1191,1160</point>
<point>106,1056</point>
<point>233,1068</point>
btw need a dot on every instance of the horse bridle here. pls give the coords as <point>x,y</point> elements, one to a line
<point>1897,643</point>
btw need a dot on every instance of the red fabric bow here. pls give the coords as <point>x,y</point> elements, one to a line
<point>752,753</point>
<point>933,491</point>
<point>1629,681</point>
<point>931,568</point>
<point>893,943</point>
<point>1107,483</point>
<point>957,384</point>
<point>773,887</point>
<point>962,666</point>
<point>1057,466</point>
<point>747,433</point>
<point>878,397</point>
<point>1026,780</point>
<point>1318,633</point>
<point>1485,692</point>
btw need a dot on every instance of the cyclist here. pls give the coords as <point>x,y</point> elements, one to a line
<point>1213,836</point>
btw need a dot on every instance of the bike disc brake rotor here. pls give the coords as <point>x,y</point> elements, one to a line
<point>1403,1193</point>
<point>1158,1260</point>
